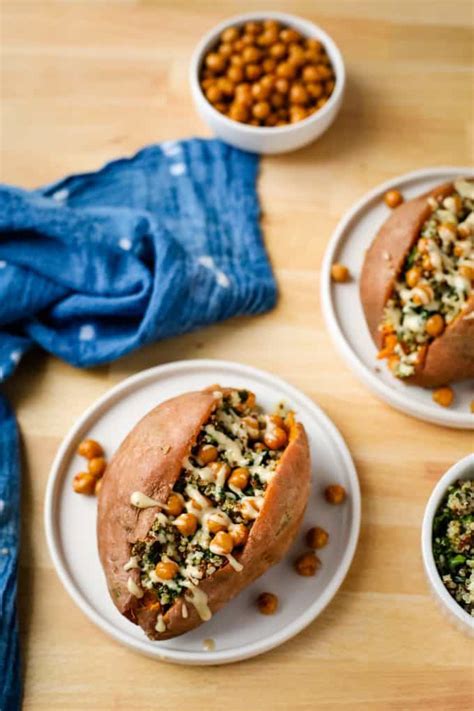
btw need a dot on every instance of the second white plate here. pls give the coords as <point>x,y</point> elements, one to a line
<point>238,631</point>
<point>342,308</point>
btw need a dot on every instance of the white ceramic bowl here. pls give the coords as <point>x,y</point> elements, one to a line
<point>278,139</point>
<point>464,469</point>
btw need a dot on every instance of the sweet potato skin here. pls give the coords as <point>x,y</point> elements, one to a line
<point>176,424</point>
<point>450,357</point>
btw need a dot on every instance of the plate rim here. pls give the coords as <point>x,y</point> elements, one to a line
<point>385,392</point>
<point>203,657</point>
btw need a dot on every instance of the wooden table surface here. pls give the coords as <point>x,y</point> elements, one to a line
<point>84,82</point>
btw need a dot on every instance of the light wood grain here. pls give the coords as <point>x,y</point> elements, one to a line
<point>83,82</point>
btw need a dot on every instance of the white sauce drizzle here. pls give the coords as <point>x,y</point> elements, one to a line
<point>160,624</point>
<point>251,505</point>
<point>131,563</point>
<point>142,501</point>
<point>198,598</point>
<point>133,588</point>
<point>234,563</point>
<point>232,449</point>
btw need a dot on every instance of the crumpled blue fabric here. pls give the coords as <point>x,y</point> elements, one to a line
<point>101,263</point>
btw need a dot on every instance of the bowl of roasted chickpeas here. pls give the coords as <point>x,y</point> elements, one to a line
<point>267,82</point>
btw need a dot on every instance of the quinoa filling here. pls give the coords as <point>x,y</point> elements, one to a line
<point>215,501</point>
<point>453,543</point>
<point>435,282</point>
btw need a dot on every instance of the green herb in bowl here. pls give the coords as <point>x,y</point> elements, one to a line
<point>453,543</point>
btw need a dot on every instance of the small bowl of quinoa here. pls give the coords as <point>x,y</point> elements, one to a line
<point>447,542</point>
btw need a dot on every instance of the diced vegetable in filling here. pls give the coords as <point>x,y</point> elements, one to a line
<point>215,501</point>
<point>453,543</point>
<point>435,282</point>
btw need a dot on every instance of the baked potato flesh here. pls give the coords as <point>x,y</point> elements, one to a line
<point>199,546</point>
<point>425,332</point>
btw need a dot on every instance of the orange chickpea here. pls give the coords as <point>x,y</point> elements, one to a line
<point>213,94</point>
<point>315,90</point>
<point>221,470</point>
<point>443,396</point>
<point>186,524</point>
<point>253,28</point>
<point>317,537</point>
<point>97,466</point>
<point>335,494</point>
<point>222,543</point>
<point>243,94</point>
<point>267,38</point>
<point>435,325</point>
<point>289,35</point>
<point>238,46</point>
<point>466,271</point>
<point>239,533</point>
<point>260,92</point>
<point>175,504</point>
<point>413,276</point>
<point>225,50</point>
<point>277,100</point>
<point>321,102</point>
<point>214,526</point>
<point>207,453</point>
<point>216,62</point>
<point>393,198</point>
<point>249,401</point>
<point>282,85</point>
<point>84,483</point>
<point>235,74</point>
<point>226,86</point>
<point>269,65</point>
<point>252,426</point>
<point>339,273</point>
<point>230,34</point>
<point>310,74</point>
<point>307,564</point>
<point>330,86</point>
<point>298,94</point>
<point>267,603</point>
<point>239,478</point>
<point>253,71</point>
<point>167,569</point>
<point>248,40</point>
<point>297,56</point>
<point>236,60</point>
<point>297,113</point>
<point>278,50</point>
<point>272,25</point>
<point>285,70</point>
<point>314,44</point>
<point>251,55</point>
<point>275,438</point>
<point>238,112</point>
<point>90,449</point>
<point>98,486</point>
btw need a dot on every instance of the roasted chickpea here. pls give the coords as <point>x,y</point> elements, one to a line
<point>330,86</point>
<point>253,71</point>
<point>312,43</point>
<point>186,524</point>
<point>239,478</point>
<point>226,86</point>
<point>339,273</point>
<point>321,102</point>
<point>216,62</point>
<point>260,92</point>
<point>221,106</point>
<point>251,55</point>
<point>413,276</point>
<point>267,603</point>
<point>254,122</point>
<point>285,70</point>
<point>275,438</point>
<point>310,74</point>
<point>84,483</point>
<point>317,537</point>
<point>296,56</point>
<point>214,94</point>
<point>222,543</point>
<point>267,38</point>
<point>243,94</point>
<point>335,494</point>
<point>221,470</point>
<point>278,50</point>
<point>253,28</point>
<point>393,198</point>
<point>214,525</point>
<point>324,71</point>
<point>236,60</point>
<point>435,325</point>
<point>443,396</point>
<point>97,466</point>
<point>269,65</point>
<point>167,569</point>
<point>90,449</point>
<point>312,56</point>
<point>238,112</point>
<point>206,83</point>
<point>175,504</point>
<point>298,94</point>
<point>282,85</point>
<point>297,113</point>
<point>466,271</point>
<point>272,25</point>
<point>248,40</point>
<point>247,399</point>
<point>207,453</point>
<point>277,100</point>
<point>230,34</point>
<point>225,50</point>
<point>238,46</point>
<point>315,90</point>
<point>307,564</point>
<point>235,74</point>
<point>289,35</point>
<point>252,426</point>
<point>98,486</point>
<point>239,533</point>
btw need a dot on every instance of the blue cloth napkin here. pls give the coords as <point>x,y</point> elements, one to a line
<point>101,263</point>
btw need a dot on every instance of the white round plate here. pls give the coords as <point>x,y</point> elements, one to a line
<point>342,308</point>
<point>238,631</point>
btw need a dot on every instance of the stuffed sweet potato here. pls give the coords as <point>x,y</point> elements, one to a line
<point>204,494</point>
<point>417,287</point>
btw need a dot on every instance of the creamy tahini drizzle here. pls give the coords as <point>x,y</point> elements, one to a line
<point>133,588</point>
<point>160,624</point>
<point>131,563</point>
<point>198,598</point>
<point>142,501</point>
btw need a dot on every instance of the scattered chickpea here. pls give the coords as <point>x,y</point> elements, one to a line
<point>186,524</point>
<point>413,276</point>
<point>175,504</point>
<point>443,396</point>
<point>207,453</point>
<point>393,198</point>
<point>435,325</point>
<point>98,486</point>
<point>84,483</point>
<point>239,533</point>
<point>167,569</point>
<point>317,537</point>
<point>275,438</point>
<point>90,449</point>
<point>214,526</point>
<point>339,273</point>
<point>96,466</point>
<point>307,564</point>
<point>222,543</point>
<point>335,494</point>
<point>267,603</point>
<point>239,478</point>
<point>466,271</point>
